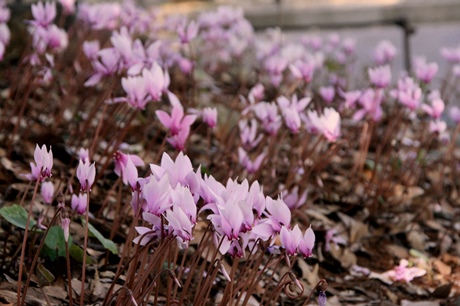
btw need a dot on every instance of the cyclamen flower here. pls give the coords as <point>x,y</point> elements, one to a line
<point>155,81</point>
<point>408,93</point>
<point>108,64</point>
<point>86,174</point>
<point>380,76</point>
<point>157,195</point>
<point>176,121</point>
<point>65,224</point>
<point>179,224</point>
<point>351,97</point>
<point>307,243</point>
<point>125,166</point>
<point>247,163</point>
<point>68,6</point>
<point>384,53</point>
<point>292,198</point>
<point>278,213</point>
<point>454,113</point>
<point>424,71</point>
<point>135,89</point>
<point>248,133</point>
<point>43,14</point>
<point>436,108</point>
<point>370,101</point>
<point>90,49</point>
<point>210,116</point>
<point>290,239</point>
<point>403,273</point>
<point>303,70</point>
<point>327,124</point>
<point>43,164</point>
<point>79,203</point>
<point>47,192</point>
<point>187,32</point>
<point>327,93</point>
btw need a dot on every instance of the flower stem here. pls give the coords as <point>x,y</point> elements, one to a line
<point>24,242</point>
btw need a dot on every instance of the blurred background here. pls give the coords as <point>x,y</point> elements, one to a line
<point>415,27</point>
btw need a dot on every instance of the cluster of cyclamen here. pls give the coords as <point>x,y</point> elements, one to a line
<point>41,169</point>
<point>241,215</point>
<point>293,111</point>
<point>47,38</point>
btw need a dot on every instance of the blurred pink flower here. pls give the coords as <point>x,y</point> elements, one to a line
<point>384,53</point>
<point>79,203</point>
<point>435,109</point>
<point>454,113</point>
<point>47,192</point>
<point>380,76</point>
<point>424,71</point>
<point>210,116</point>
<point>43,14</point>
<point>403,273</point>
<point>327,93</point>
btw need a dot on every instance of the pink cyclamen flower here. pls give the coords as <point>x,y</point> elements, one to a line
<point>43,164</point>
<point>384,53</point>
<point>437,126</point>
<point>290,239</point>
<point>403,273</point>
<point>278,213</point>
<point>43,14</point>
<point>125,166</point>
<point>350,98</point>
<point>65,224</point>
<point>303,70</point>
<point>179,224</point>
<point>435,109</point>
<point>83,154</point>
<point>256,93</point>
<point>155,81</point>
<point>157,195</point>
<point>90,49</point>
<point>331,124</point>
<point>68,6</point>
<point>210,116</point>
<point>454,114</point>
<point>187,32</point>
<point>380,76</point>
<point>248,133</point>
<point>425,71</point>
<point>327,93</point>
<point>292,198</point>
<point>176,121</point>
<point>86,174</point>
<point>307,243</point>
<point>247,163</point>
<point>47,192</point>
<point>370,101</point>
<point>79,203</point>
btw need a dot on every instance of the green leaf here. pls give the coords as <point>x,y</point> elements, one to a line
<point>107,243</point>
<point>55,243</point>
<point>44,276</point>
<point>77,253</point>
<point>17,216</point>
